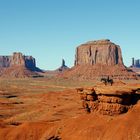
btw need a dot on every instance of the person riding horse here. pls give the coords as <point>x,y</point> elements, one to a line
<point>107,81</point>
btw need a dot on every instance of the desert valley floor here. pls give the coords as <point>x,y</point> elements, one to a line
<point>51,109</point>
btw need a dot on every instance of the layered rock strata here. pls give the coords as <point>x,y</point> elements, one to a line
<point>108,102</point>
<point>18,66</point>
<point>99,59</point>
<point>17,59</point>
<point>98,52</point>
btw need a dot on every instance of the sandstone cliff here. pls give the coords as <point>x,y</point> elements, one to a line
<point>108,100</point>
<point>98,52</point>
<point>5,61</point>
<point>30,62</point>
<point>18,65</point>
<point>97,59</point>
<point>18,59</point>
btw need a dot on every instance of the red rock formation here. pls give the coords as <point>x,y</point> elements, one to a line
<point>98,59</point>
<point>98,52</point>
<point>108,101</point>
<point>18,66</point>
<point>17,72</point>
<point>5,61</point>
<point>17,60</point>
<point>30,63</point>
<point>63,67</point>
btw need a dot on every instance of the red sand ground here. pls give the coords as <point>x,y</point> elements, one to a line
<point>58,115</point>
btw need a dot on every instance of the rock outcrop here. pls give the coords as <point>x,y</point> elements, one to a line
<point>5,61</point>
<point>58,71</point>
<point>108,101</point>
<point>63,66</point>
<point>18,59</point>
<point>18,65</point>
<point>98,59</point>
<point>98,52</point>
<point>30,63</point>
<point>135,63</point>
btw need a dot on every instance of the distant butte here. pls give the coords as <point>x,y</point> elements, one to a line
<point>96,59</point>
<point>58,71</point>
<point>18,66</point>
<point>63,66</point>
<point>101,52</point>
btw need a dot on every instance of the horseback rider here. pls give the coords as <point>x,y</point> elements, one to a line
<point>107,80</point>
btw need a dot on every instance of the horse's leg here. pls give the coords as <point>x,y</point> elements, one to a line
<point>111,82</point>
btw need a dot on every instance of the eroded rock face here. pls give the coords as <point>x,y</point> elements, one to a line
<point>63,66</point>
<point>105,102</point>
<point>30,62</point>
<point>99,59</point>
<point>17,59</point>
<point>98,52</point>
<point>18,66</point>
<point>5,61</point>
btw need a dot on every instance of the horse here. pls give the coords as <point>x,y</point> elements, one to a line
<point>110,81</point>
<point>104,80</point>
<point>107,81</point>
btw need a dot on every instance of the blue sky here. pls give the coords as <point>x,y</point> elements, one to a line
<point>50,30</point>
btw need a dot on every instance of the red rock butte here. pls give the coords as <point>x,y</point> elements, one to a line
<point>99,58</point>
<point>101,52</point>
<point>17,66</point>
